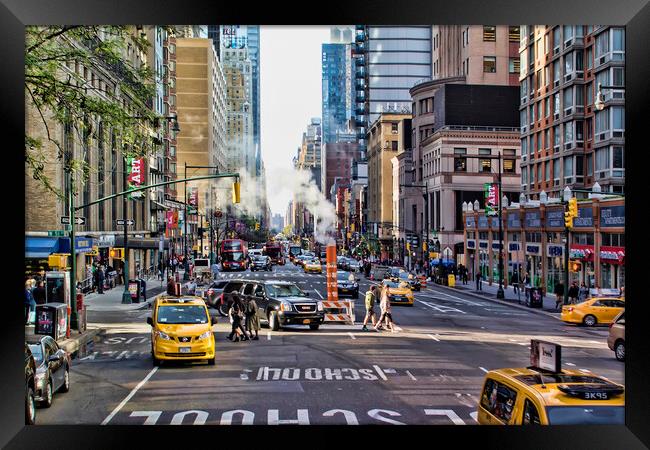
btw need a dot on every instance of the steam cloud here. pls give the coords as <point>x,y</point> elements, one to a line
<point>297,184</point>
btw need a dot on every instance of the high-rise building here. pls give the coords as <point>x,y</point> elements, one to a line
<point>309,156</point>
<point>253,43</point>
<point>389,60</point>
<point>336,90</point>
<point>565,140</point>
<point>342,34</point>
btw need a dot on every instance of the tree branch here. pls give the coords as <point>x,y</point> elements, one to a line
<point>51,36</point>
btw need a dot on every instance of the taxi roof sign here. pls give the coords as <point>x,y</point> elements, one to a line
<point>545,356</point>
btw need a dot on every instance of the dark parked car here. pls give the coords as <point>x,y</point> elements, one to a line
<point>30,387</point>
<point>347,284</point>
<point>282,303</point>
<point>52,368</point>
<point>212,293</point>
<point>261,263</point>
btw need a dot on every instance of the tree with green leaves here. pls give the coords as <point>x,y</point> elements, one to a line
<point>55,85</point>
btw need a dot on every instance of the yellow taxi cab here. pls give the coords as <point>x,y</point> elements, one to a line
<point>312,266</point>
<point>181,330</point>
<point>537,396</point>
<point>399,293</point>
<point>596,310</point>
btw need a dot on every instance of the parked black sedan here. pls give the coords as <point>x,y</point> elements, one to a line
<point>52,368</point>
<point>30,387</point>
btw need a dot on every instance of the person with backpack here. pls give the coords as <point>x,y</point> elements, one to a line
<point>236,315</point>
<point>370,300</point>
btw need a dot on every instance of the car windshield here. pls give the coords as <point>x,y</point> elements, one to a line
<point>176,314</point>
<point>314,261</point>
<point>37,351</point>
<point>392,284</point>
<point>343,276</point>
<point>585,415</point>
<point>284,290</point>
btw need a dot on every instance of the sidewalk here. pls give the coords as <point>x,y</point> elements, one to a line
<point>111,299</point>
<point>510,298</point>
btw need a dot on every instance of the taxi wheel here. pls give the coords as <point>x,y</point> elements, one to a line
<point>619,350</point>
<point>156,361</point>
<point>213,361</point>
<point>589,320</point>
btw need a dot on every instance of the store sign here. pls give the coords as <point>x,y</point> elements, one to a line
<point>135,177</point>
<point>471,243</point>
<point>612,254</point>
<point>470,222</point>
<point>585,218</point>
<point>533,249</point>
<point>107,240</point>
<point>555,218</point>
<point>584,252</point>
<point>483,244</point>
<point>533,219</point>
<point>83,245</point>
<point>513,220</point>
<point>612,216</point>
<point>554,250</point>
<point>482,222</point>
<point>514,246</point>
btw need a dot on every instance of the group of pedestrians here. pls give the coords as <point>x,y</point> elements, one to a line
<point>243,318</point>
<point>575,294</point>
<point>34,295</point>
<point>386,318</point>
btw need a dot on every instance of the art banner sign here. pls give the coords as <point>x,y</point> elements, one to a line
<point>135,177</point>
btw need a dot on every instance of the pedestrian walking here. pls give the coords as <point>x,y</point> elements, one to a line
<point>583,293</point>
<point>370,299</point>
<point>99,280</point>
<point>252,320</point>
<point>479,286</point>
<point>465,275</point>
<point>574,291</point>
<point>28,302</point>
<point>171,286</point>
<point>215,270</point>
<point>385,310</point>
<point>39,293</point>
<point>236,315</point>
<point>559,294</point>
<point>515,282</point>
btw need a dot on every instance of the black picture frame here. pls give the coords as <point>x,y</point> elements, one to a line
<point>634,14</point>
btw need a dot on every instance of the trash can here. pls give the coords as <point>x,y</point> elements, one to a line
<point>135,290</point>
<point>52,320</point>
<point>451,280</point>
<point>535,298</point>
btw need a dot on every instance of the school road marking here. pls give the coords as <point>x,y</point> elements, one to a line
<point>128,397</point>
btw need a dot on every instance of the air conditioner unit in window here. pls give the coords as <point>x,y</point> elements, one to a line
<point>568,111</point>
<point>556,83</point>
<point>556,149</point>
<point>556,116</point>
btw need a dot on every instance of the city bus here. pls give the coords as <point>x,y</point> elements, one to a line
<point>234,255</point>
<point>274,251</point>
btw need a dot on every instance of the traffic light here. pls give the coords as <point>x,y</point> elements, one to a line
<point>424,246</point>
<point>408,247</point>
<point>575,266</point>
<point>235,192</point>
<point>117,253</point>
<point>573,207</point>
<point>568,220</point>
<point>257,225</point>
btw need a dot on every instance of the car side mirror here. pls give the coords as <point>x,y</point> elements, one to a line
<point>150,321</point>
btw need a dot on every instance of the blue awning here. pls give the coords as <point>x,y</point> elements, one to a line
<point>40,246</point>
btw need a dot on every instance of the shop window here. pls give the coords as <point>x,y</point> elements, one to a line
<point>485,165</point>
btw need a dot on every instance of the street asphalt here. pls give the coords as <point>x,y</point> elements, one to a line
<point>429,372</point>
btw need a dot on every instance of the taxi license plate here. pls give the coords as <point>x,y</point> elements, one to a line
<point>306,321</point>
<point>185,349</point>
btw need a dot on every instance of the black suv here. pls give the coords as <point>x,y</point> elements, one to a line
<point>222,301</point>
<point>30,387</point>
<point>282,303</point>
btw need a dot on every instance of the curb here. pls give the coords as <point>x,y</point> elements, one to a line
<point>525,308</point>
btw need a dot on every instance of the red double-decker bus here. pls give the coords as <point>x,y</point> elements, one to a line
<point>234,255</point>
<point>274,251</point>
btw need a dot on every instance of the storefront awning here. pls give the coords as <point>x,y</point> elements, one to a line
<point>40,246</point>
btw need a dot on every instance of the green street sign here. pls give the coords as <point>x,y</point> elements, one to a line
<point>56,233</point>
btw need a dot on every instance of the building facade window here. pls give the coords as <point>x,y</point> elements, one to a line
<point>489,33</point>
<point>513,34</point>
<point>460,162</point>
<point>489,64</point>
<point>513,65</point>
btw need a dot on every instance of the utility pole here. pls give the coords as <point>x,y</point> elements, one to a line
<point>500,293</point>
<point>73,256</point>
<point>185,217</point>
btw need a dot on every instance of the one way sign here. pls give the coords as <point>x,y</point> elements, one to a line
<point>128,221</point>
<point>65,220</point>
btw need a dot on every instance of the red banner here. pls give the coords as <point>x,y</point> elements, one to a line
<point>612,255</point>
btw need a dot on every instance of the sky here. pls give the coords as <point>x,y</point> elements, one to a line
<point>290,95</point>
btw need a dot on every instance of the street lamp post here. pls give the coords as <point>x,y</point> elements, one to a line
<point>500,293</point>
<point>567,194</point>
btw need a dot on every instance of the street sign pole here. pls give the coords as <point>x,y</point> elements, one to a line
<point>126,295</point>
<point>73,255</point>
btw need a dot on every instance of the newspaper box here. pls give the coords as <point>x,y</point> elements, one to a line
<point>52,320</point>
<point>135,289</point>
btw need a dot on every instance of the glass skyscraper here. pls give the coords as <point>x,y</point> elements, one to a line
<point>337,89</point>
<point>253,34</point>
